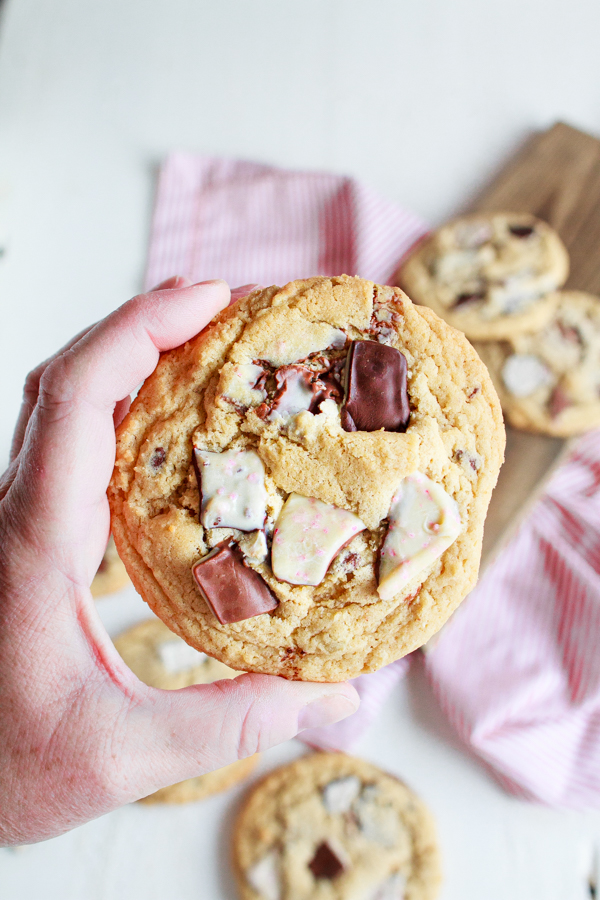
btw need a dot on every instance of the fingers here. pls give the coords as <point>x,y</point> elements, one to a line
<point>175,281</point>
<point>181,734</point>
<point>30,394</point>
<point>32,382</point>
<point>69,441</point>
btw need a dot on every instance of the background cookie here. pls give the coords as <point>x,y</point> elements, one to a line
<point>333,826</point>
<point>550,381</point>
<point>111,575</point>
<point>254,410</point>
<point>162,660</point>
<point>490,275</point>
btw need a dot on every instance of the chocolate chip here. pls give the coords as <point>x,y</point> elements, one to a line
<point>157,459</point>
<point>325,863</point>
<point>473,297</point>
<point>376,395</point>
<point>292,653</point>
<point>464,458</point>
<point>233,591</point>
<point>521,231</point>
<point>473,392</point>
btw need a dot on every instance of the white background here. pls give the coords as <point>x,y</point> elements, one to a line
<point>423,99</point>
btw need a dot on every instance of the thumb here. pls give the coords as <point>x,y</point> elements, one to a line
<point>185,733</point>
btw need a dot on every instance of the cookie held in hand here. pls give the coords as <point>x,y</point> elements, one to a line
<point>301,489</point>
<point>334,826</point>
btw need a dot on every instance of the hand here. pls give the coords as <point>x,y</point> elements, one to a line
<point>79,734</point>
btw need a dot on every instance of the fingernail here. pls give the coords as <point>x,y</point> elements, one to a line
<point>174,281</point>
<point>210,281</point>
<point>326,711</point>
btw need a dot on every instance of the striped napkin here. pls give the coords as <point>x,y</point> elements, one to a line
<point>518,668</point>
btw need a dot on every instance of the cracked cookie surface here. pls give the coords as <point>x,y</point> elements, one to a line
<point>162,660</point>
<point>333,827</point>
<point>550,381</point>
<point>265,380</point>
<point>490,275</point>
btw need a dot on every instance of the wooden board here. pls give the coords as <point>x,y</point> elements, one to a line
<point>555,176</point>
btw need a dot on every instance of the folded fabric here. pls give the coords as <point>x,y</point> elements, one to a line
<point>517,670</point>
<point>248,223</point>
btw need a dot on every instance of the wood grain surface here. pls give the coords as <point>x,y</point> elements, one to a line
<point>555,176</point>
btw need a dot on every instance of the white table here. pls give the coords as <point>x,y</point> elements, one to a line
<point>423,100</point>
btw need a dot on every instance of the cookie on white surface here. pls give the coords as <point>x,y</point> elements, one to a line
<point>333,827</point>
<point>550,381</point>
<point>491,275</point>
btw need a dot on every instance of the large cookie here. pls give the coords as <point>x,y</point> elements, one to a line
<point>550,381</point>
<point>341,515</point>
<point>333,827</point>
<point>162,660</point>
<point>491,275</point>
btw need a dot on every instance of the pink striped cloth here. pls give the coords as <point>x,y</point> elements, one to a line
<point>518,668</point>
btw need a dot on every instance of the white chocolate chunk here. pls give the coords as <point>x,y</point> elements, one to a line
<point>377,822</point>
<point>308,534</point>
<point>393,888</point>
<point>339,339</point>
<point>339,794</point>
<point>240,383</point>
<point>296,398</point>
<point>254,546</point>
<point>514,295</point>
<point>264,877</point>
<point>314,336</point>
<point>523,374</point>
<point>459,265</point>
<point>233,489</point>
<point>424,521</point>
<point>177,656</point>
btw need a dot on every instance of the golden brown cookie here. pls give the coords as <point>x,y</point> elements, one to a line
<point>333,827</point>
<point>111,575</point>
<point>550,381</point>
<point>162,660</point>
<point>346,443</point>
<point>491,275</point>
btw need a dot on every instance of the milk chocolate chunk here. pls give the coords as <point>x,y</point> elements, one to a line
<point>232,590</point>
<point>376,394</point>
<point>325,863</point>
